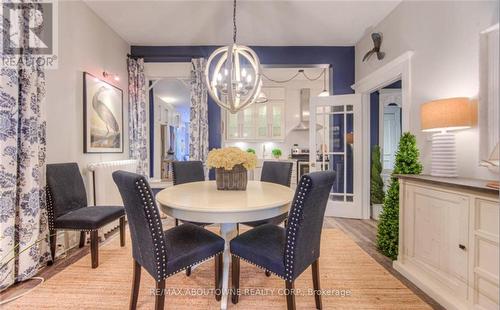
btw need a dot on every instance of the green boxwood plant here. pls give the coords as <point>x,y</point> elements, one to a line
<point>376,182</point>
<point>406,162</point>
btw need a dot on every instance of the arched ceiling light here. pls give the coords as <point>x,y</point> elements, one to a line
<point>236,79</point>
<point>325,92</point>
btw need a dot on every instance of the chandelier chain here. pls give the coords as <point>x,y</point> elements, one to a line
<point>295,75</point>
<point>235,29</point>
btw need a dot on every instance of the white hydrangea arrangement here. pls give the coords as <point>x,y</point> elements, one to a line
<point>229,157</point>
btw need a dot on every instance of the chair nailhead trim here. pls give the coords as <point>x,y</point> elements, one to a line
<point>252,263</point>
<point>295,218</point>
<point>50,207</point>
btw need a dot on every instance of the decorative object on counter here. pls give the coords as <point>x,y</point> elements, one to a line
<point>442,116</point>
<point>377,42</point>
<point>250,150</point>
<point>236,79</point>
<point>231,165</point>
<point>376,183</point>
<point>406,162</point>
<point>277,153</point>
<point>102,116</point>
<point>493,165</point>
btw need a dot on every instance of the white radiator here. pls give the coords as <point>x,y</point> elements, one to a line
<point>102,189</point>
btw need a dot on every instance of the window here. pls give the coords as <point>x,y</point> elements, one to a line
<point>489,107</point>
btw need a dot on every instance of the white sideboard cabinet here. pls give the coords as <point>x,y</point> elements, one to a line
<point>449,240</point>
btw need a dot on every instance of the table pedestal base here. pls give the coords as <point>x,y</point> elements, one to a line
<point>227,231</point>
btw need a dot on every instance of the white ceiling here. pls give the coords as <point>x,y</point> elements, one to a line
<point>271,23</point>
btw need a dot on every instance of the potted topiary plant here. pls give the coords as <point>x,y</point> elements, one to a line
<point>406,162</point>
<point>250,150</point>
<point>376,183</point>
<point>276,153</point>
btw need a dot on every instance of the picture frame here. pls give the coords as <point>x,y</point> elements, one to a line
<point>102,116</point>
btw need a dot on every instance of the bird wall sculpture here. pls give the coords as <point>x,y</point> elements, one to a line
<point>104,112</point>
<point>377,42</point>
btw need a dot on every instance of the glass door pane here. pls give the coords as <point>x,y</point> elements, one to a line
<point>232,126</point>
<point>247,123</point>
<point>277,116</point>
<point>262,124</point>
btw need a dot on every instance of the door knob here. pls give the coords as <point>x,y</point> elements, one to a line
<point>462,247</point>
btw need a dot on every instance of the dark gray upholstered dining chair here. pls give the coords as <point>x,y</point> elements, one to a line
<point>162,253</point>
<point>68,210</point>
<point>278,172</point>
<point>288,252</point>
<point>187,172</point>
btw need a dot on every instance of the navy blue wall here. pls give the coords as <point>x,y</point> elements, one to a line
<point>341,59</point>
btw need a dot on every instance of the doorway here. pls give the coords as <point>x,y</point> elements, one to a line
<point>169,116</point>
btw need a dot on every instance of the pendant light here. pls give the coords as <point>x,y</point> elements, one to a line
<point>325,92</point>
<point>235,82</point>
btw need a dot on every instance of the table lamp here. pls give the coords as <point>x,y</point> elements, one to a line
<point>443,117</point>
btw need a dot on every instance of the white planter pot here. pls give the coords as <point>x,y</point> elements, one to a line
<point>376,210</point>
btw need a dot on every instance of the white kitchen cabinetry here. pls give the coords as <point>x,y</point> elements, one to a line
<point>260,121</point>
<point>449,240</point>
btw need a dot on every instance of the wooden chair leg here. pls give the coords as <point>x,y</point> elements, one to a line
<point>218,277</point>
<point>176,222</point>
<point>53,243</point>
<point>136,282</point>
<point>290,296</point>
<point>83,236</point>
<point>268,274</point>
<point>316,285</point>
<point>188,271</point>
<point>94,248</point>
<point>235,277</point>
<point>122,231</point>
<point>160,295</point>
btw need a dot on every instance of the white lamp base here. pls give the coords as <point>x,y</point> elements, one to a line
<point>444,159</point>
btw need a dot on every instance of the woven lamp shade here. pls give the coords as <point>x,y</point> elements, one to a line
<point>446,114</point>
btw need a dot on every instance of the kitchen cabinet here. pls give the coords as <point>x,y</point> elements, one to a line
<point>260,121</point>
<point>449,240</point>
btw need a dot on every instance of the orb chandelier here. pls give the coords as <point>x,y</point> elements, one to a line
<point>235,82</point>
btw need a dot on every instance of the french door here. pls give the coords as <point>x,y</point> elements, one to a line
<point>335,145</point>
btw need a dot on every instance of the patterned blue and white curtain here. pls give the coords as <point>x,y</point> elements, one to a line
<point>23,213</point>
<point>137,125</point>
<point>198,127</point>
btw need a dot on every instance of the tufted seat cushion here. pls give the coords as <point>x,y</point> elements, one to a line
<point>89,218</point>
<point>188,244</point>
<point>264,246</point>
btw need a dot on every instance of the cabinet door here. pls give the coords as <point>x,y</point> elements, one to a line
<point>261,121</point>
<point>440,232</point>
<point>247,123</point>
<point>277,119</point>
<point>232,126</point>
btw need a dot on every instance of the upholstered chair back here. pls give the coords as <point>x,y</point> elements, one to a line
<point>65,189</point>
<point>279,172</point>
<point>149,248</point>
<point>187,171</point>
<point>305,222</point>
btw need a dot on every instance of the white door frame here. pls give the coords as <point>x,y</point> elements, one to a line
<point>399,68</point>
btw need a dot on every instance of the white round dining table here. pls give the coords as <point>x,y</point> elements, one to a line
<point>202,202</point>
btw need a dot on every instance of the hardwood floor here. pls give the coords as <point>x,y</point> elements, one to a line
<point>363,232</point>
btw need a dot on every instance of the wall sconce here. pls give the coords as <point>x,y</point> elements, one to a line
<point>443,116</point>
<point>107,75</point>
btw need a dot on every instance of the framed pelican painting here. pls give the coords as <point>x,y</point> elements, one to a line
<point>102,116</point>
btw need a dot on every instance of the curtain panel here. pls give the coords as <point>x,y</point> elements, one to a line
<point>198,126</point>
<point>138,125</point>
<point>23,212</point>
